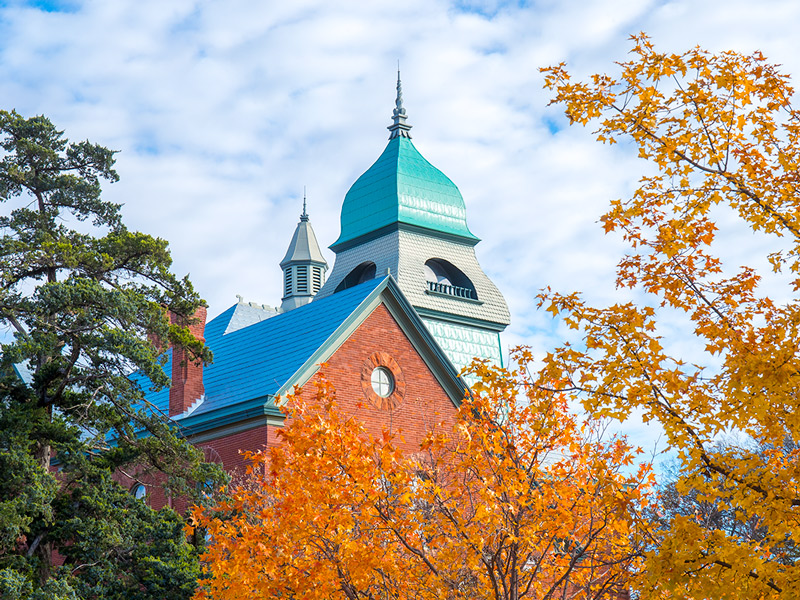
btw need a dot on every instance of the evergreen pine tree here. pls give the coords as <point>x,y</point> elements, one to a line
<point>81,299</point>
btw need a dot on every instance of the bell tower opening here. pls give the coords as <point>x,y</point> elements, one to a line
<point>363,272</point>
<point>443,277</point>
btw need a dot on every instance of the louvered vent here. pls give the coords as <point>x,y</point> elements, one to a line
<point>302,279</point>
<point>316,281</point>
<point>287,282</point>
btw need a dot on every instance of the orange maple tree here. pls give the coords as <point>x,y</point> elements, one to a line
<point>518,499</point>
<point>723,135</point>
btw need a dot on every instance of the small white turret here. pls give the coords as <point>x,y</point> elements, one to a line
<point>304,267</point>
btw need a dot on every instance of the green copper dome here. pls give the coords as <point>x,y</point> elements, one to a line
<point>403,187</point>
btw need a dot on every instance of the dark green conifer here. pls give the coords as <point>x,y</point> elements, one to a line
<point>81,299</point>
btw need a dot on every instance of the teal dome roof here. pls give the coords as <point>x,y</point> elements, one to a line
<point>403,187</point>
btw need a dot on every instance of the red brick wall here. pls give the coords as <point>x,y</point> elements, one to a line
<point>425,403</point>
<point>225,450</point>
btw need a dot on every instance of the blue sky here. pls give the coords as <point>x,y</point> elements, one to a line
<point>223,112</point>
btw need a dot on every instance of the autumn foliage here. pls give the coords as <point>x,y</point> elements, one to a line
<point>518,499</point>
<point>521,499</point>
<point>725,140</point>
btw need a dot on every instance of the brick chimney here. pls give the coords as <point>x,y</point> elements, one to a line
<point>187,375</point>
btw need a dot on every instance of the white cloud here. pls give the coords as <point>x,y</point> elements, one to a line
<point>223,111</point>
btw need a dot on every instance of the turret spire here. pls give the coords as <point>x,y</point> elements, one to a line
<point>399,127</point>
<point>303,266</point>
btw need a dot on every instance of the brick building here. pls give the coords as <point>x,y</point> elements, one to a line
<point>405,306</point>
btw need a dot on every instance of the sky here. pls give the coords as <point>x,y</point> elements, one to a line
<point>224,111</point>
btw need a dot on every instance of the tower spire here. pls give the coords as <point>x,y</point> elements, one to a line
<point>304,216</point>
<point>399,127</point>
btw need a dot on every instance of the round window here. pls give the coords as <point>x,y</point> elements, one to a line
<point>382,382</point>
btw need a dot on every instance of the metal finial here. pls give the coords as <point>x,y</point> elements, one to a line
<point>399,127</point>
<point>398,103</point>
<point>304,216</point>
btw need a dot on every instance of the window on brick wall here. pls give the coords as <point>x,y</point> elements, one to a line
<point>382,382</point>
<point>139,491</point>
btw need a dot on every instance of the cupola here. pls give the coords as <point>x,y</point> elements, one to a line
<point>303,266</point>
<point>405,217</point>
<point>402,189</point>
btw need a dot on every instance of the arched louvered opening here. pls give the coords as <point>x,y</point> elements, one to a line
<point>363,272</point>
<point>443,277</point>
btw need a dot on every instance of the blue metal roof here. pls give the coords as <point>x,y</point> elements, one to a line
<point>256,361</point>
<point>24,373</point>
